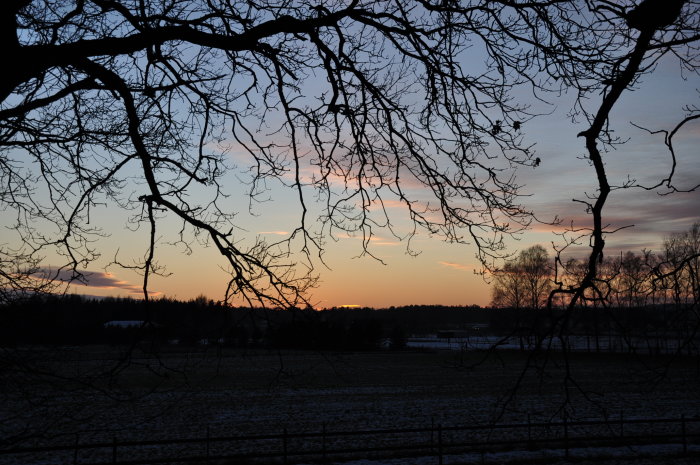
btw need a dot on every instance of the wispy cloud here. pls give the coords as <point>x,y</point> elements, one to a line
<point>374,240</point>
<point>93,279</point>
<point>648,213</point>
<point>276,233</point>
<point>386,204</point>
<point>457,266</point>
<point>384,242</point>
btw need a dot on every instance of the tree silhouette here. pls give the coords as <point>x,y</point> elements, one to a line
<point>524,282</point>
<point>642,33</point>
<point>138,105</point>
<point>680,269</point>
<point>131,104</point>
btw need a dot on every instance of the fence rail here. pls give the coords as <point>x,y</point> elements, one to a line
<point>327,445</point>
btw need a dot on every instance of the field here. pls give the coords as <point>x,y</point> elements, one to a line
<point>87,395</point>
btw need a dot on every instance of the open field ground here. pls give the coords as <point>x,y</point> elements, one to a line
<point>86,395</point>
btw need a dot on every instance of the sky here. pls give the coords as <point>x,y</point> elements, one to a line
<point>441,273</point>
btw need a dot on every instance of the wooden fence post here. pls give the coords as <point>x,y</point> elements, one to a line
<point>75,453</point>
<point>114,449</point>
<point>440,444</point>
<point>566,436</point>
<point>207,445</point>
<point>323,442</point>
<point>284,447</point>
<point>622,424</point>
<point>685,438</point>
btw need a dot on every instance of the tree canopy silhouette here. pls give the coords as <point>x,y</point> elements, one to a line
<point>133,104</point>
<point>524,282</point>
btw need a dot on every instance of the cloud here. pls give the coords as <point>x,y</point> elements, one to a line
<point>457,266</point>
<point>651,214</point>
<point>386,204</point>
<point>93,279</point>
<point>380,242</point>
<point>374,240</point>
<point>277,233</point>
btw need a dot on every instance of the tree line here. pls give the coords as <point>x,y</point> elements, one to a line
<point>646,296</point>
<point>76,320</point>
<point>628,280</point>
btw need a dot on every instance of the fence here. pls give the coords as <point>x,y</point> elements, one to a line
<point>435,441</point>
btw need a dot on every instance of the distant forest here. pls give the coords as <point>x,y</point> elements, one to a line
<point>76,320</point>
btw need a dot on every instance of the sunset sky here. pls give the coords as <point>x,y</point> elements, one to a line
<point>444,273</point>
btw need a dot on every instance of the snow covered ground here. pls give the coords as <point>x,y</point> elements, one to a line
<point>589,344</point>
<point>265,392</point>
